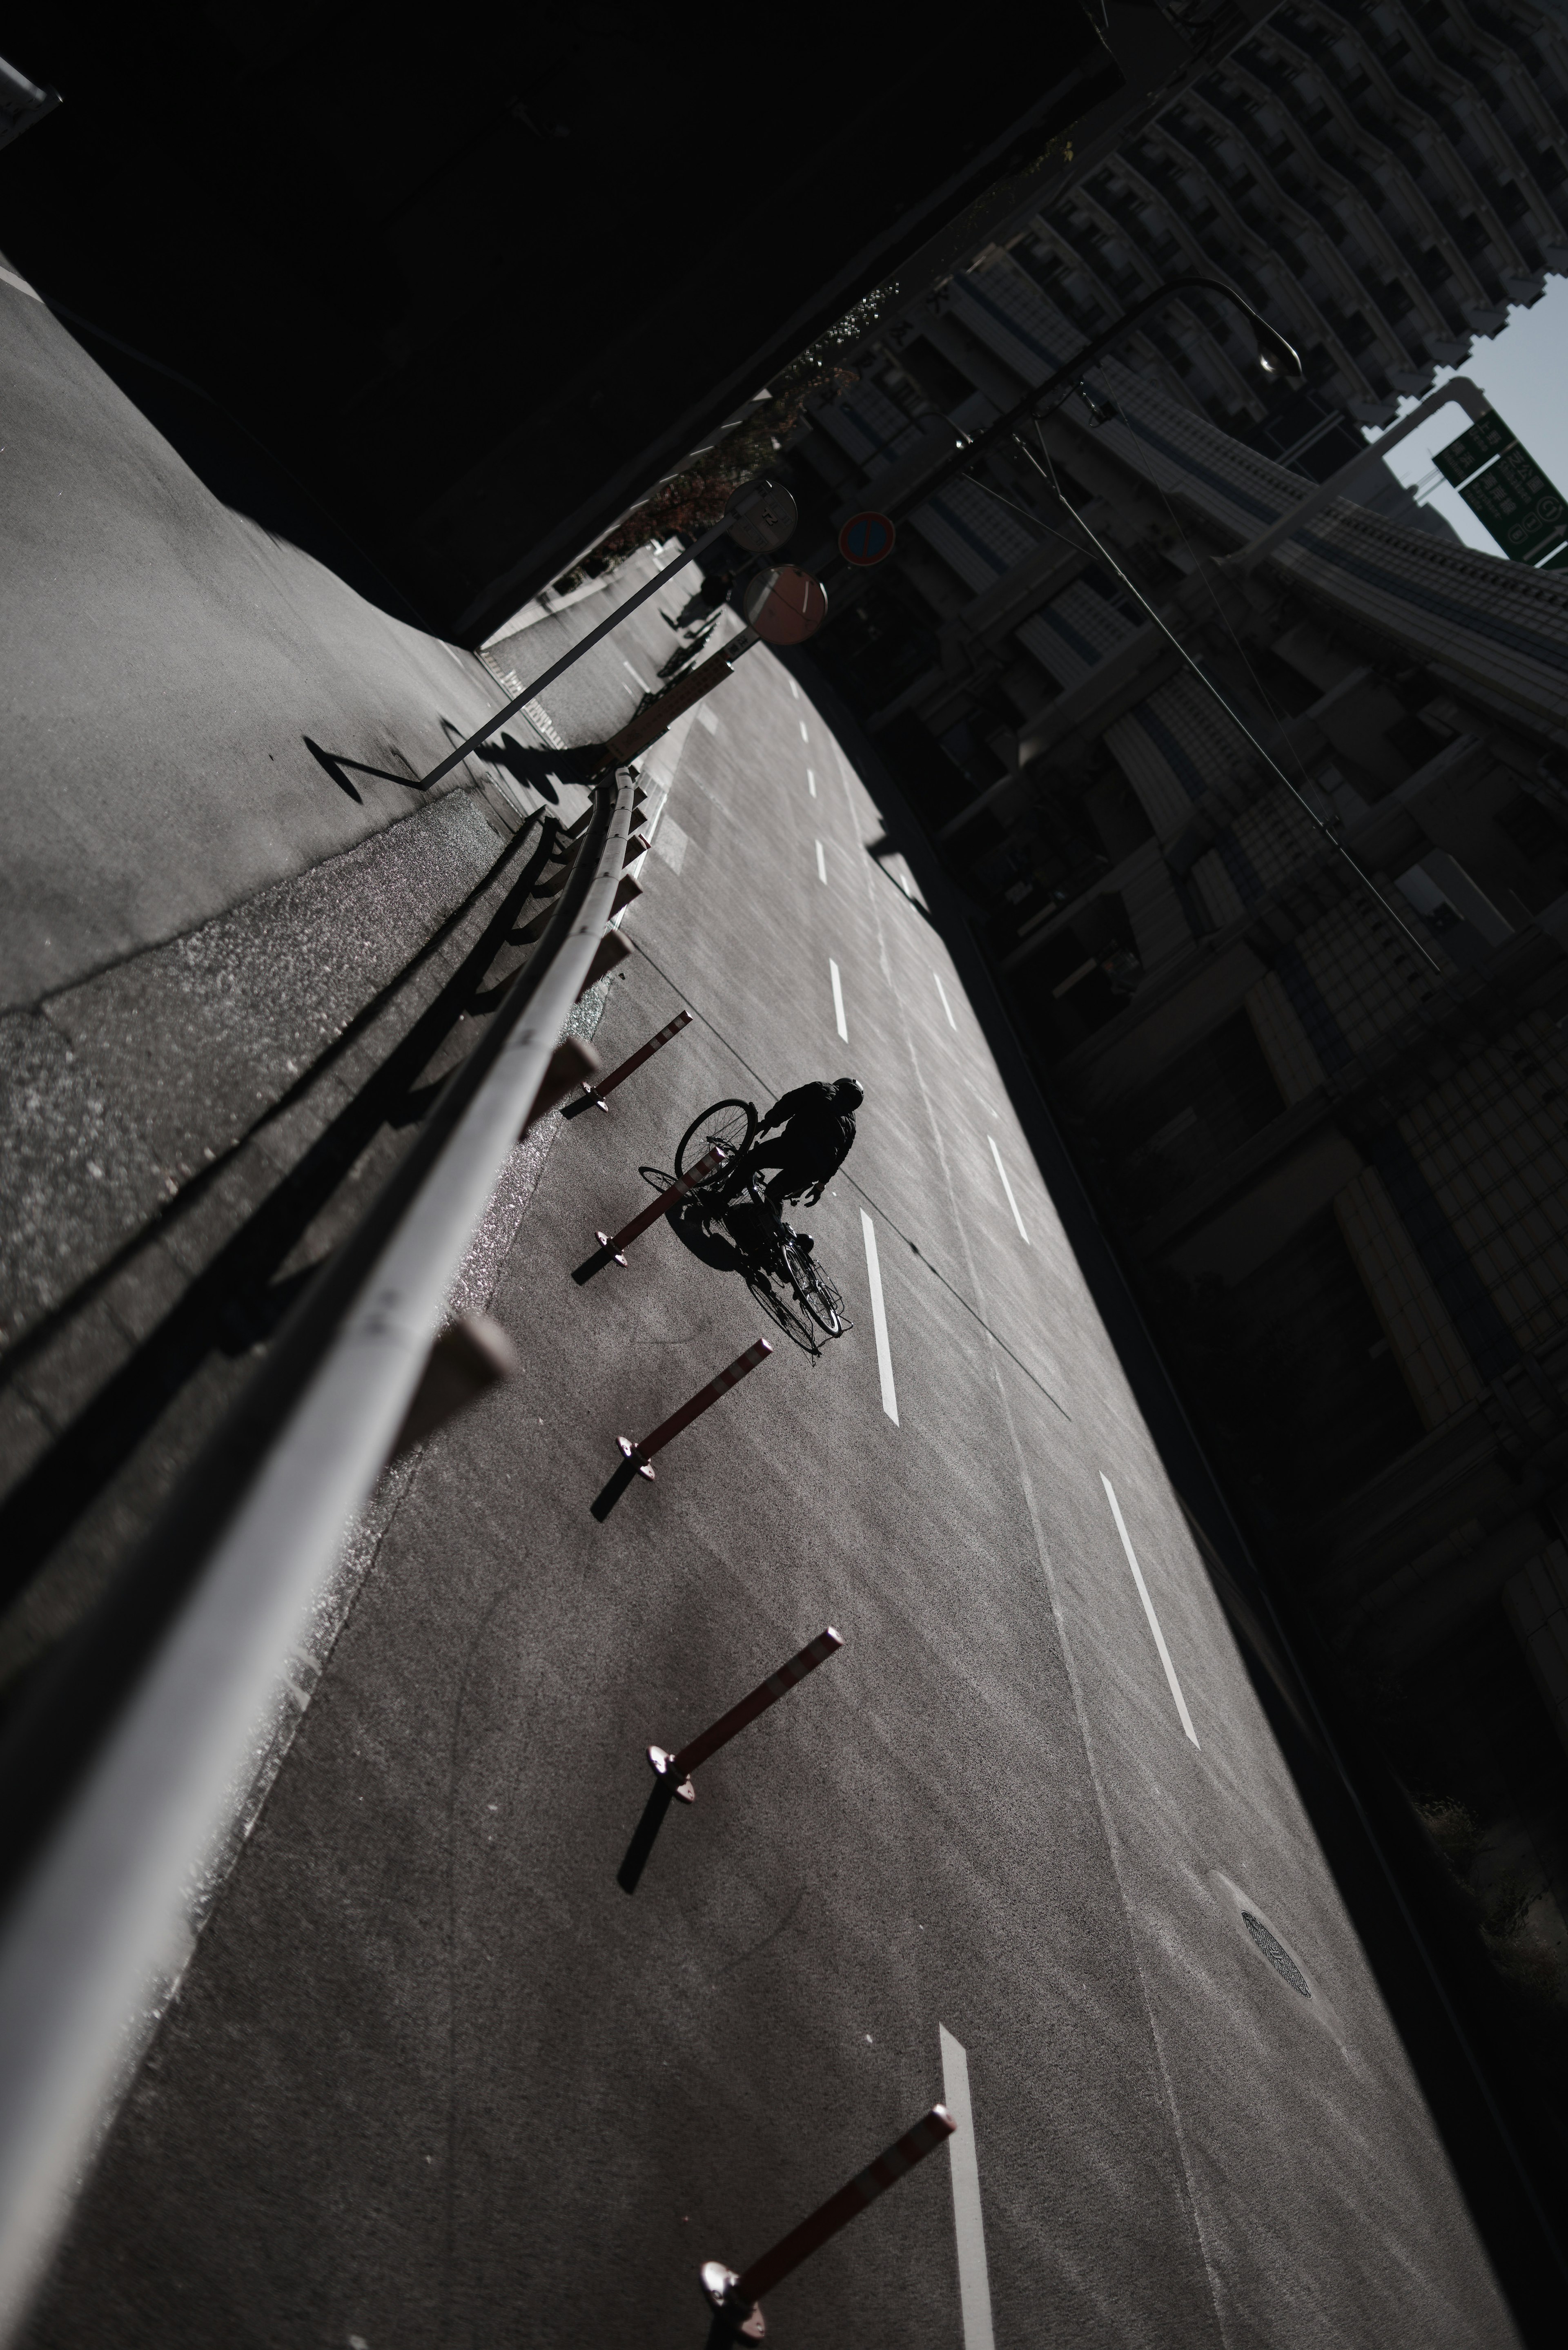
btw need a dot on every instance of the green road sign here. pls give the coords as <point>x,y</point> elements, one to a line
<point>1486,439</point>
<point>1524,512</point>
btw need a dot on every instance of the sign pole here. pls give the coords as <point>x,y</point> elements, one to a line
<point>761,515</point>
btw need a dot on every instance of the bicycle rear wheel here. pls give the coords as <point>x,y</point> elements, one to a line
<point>815,1292</point>
<point>732,1123</point>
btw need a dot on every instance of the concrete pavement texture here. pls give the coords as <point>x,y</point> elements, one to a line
<point>433,2077</point>
<point>185,1125</point>
<point>195,709</point>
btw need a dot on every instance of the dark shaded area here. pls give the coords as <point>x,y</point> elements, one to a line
<point>610,1493</point>
<point>1473,2037</point>
<point>339,770</point>
<point>293,211</point>
<point>661,1794</point>
<point>596,1263</point>
<point>239,468</point>
<point>62,1710</point>
<point>527,763</point>
<point>239,1299</point>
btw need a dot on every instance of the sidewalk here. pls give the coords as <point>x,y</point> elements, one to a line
<point>194,709</point>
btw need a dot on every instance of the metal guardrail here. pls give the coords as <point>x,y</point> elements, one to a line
<point>230,1577</point>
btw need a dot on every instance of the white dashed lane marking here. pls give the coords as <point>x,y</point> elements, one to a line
<point>838,999</point>
<point>1008,1188</point>
<point>811,783</point>
<point>633,675</point>
<point>803,735</point>
<point>946,1007</point>
<point>1148,1608</point>
<point>974,2280</point>
<point>821,864</point>
<point>879,1318</point>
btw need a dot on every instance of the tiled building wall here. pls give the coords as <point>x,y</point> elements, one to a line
<point>1421,1332</point>
<point>1492,1148</point>
<point>1354,977</point>
<point>1536,1602</point>
<point>1072,634</point>
<point>1384,181</point>
<point>1292,1056</point>
<point>1175,747</point>
<point>1460,1227</point>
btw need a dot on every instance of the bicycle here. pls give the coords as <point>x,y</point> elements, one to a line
<point>769,1247</point>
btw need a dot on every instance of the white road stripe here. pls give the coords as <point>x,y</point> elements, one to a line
<point>879,1318</point>
<point>838,1000</point>
<point>1149,1609</point>
<point>821,864</point>
<point>1008,1188</point>
<point>803,735</point>
<point>946,1007</point>
<point>974,2279</point>
<point>792,687</point>
<point>811,783</point>
<point>632,673</point>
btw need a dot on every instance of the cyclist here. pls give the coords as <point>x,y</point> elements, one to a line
<point>818,1122</point>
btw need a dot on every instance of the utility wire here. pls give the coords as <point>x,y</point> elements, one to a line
<point>1047,473</point>
<point>1237,720</point>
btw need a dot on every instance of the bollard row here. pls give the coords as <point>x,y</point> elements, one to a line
<point>735,2296</point>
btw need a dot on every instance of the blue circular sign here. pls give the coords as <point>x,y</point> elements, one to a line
<point>867,539</point>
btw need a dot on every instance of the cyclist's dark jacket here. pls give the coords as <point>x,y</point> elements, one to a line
<point>817,1133</point>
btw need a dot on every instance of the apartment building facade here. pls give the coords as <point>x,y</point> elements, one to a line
<point>1384,183</point>
<point>1278,892</point>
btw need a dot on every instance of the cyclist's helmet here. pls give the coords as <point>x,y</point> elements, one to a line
<point>849,1093</point>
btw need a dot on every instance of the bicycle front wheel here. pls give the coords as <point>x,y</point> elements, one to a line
<point>732,1123</point>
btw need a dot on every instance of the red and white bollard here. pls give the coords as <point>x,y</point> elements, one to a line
<point>679,1768</point>
<point>672,1772</point>
<point>613,1245</point>
<point>736,2299</point>
<point>596,1090</point>
<point>641,1455</point>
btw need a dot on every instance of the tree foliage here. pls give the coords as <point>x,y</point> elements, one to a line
<point>693,501</point>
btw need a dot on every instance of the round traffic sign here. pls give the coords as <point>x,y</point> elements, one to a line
<point>763,521</point>
<point>787,606</point>
<point>867,539</point>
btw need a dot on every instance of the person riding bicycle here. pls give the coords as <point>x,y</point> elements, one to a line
<point>818,1128</point>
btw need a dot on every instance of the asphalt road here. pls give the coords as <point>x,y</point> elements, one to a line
<point>434,2079</point>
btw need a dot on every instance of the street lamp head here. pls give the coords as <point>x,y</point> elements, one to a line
<point>1279,360</point>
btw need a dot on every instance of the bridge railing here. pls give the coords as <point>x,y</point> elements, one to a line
<point>142,1732</point>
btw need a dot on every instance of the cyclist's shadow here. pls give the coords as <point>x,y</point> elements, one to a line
<point>711,1242</point>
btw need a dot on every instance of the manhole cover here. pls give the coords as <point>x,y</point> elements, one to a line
<point>1278,1957</point>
